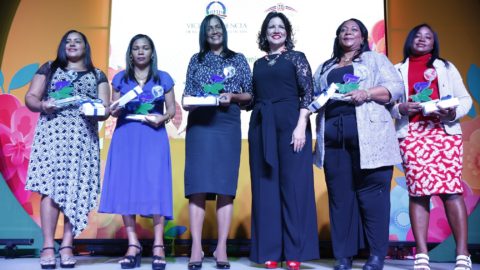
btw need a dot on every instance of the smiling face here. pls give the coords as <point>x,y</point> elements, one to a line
<point>214,34</point>
<point>423,41</point>
<point>75,46</point>
<point>276,33</point>
<point>350,36</point>
<point>141,52</point>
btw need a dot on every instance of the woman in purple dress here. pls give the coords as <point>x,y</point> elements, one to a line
<point>138,175</point>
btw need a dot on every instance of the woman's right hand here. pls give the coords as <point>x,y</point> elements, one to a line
<point>409,108</point>
<point>115,110</point>
<point>48,106</point>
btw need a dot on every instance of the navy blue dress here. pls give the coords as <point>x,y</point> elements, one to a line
<point>284,219</point>
<point>213,139</point>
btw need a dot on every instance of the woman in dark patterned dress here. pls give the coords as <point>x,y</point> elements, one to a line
<point>213,140</point>
<point>65,159</point>
<point>284,219</point>
<point>431,145</point>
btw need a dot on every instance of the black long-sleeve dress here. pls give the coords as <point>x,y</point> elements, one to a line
<point>284,219</point>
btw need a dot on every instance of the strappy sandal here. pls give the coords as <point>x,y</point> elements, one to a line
<point>67,261</point>
<point>132,261</point>
<point>48,262</point>
<point>196,265</point>
<point>463,262</point>
<point>422,262</point>
<point>155,264</point>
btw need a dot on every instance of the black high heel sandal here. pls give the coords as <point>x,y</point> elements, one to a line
<point>132,261</point>
<point>158,265</point>
<point>220,264</point>
<point>49,262</point>
<point>196,265</point>
<point>67,261</point>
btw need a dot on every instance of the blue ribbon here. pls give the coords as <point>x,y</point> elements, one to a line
<point>91,102</point>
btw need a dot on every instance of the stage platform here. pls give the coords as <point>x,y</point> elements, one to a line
<point>180,263</point>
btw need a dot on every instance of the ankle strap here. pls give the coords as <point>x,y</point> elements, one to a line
<point>136,246</point>
<point>65,247</point>
<point>46,248</point>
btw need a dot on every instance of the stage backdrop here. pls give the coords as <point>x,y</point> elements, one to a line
<point>38,25</point>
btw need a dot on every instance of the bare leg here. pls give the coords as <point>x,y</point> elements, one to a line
<point>158,223</point>
<point>224,218</point>
<point>49,217</point>
<point>419,218</point>
<point>129,221</point>
<point>67,237</point>
<point>196,209</point>
<point>457,219</point>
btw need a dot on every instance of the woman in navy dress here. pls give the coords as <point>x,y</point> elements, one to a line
<point>138,173</point>
<point>213,139</point>
<point>284,219</point>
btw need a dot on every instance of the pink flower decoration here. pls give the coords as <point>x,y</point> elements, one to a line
<point>17,129</point>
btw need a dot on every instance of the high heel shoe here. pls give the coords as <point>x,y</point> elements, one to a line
<point>220,264</point>
<point>155,264</point>
<point>293,265</point>
<point>132,261</point>
<point>271,264</point>
<point>48,262</point>
<point>67,261</point>
<point>196,265</point>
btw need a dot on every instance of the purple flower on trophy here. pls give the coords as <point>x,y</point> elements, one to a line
<point>216,78</point>
<point>420,86</point>
<point>350,78</point>
<point>61,84</point>
<point>146,97</point>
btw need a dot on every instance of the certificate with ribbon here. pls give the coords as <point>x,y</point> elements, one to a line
<point>127,97</point>
<point>322,99</point>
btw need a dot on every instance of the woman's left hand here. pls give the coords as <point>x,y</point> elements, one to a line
<point>155,120</point>
<point>298,138</point>
<point>225,99</point>
<point>358,97</point>
<point>445,114</point>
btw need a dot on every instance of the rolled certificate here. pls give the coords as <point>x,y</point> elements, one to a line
<point>136,117</point>
<point>209,100</point>
<point>127,97</point>
<point>435,105</point>
<point>322,99</point>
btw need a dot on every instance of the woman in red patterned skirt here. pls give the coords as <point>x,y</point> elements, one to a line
<point>431,142</point>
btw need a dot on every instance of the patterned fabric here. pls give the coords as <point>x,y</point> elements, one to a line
<point>65,158</point>
<point>200,73</point>
<point>432,159</point>
<point>304,76</point>
<point>376,132</point>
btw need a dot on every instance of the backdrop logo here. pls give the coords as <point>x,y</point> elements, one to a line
<point>280,7</point>
<point>217,8</point>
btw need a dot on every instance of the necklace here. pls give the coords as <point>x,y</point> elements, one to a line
<point>273,61</point>
<point>141,79</point>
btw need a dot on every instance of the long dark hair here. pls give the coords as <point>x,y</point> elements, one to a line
<point>407,47</point>
<point>202,39</point>
<point>262,35</point>
<point>129,71</point>
<point>338,51</point>
<point>62,60</point>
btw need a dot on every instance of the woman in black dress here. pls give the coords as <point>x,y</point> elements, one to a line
<point>284,219</point>
<point>213,139</point>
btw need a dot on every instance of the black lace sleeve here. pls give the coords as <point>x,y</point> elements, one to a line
<point>304,77</point>
<point>44,69</point>
<point>101,78</point>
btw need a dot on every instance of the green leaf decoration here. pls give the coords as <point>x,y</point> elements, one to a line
<point>22,77</point>
<point>174,232</point>
<point>62,93</point>
<point>144,108</point>
<point>347,87</point>
<point>213,88</point>
<point>2,79</point>
<point>415,98</point>
<point>427,92</point>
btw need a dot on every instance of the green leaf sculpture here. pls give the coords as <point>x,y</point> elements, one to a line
<point>144,108</point>
<point>347,87</point>
<point>213,89</point>
<point>65,92</point>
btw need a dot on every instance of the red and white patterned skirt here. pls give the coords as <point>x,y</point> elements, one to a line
<point>432,159</point>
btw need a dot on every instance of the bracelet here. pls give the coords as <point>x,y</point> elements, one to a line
<point>369,95</point>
